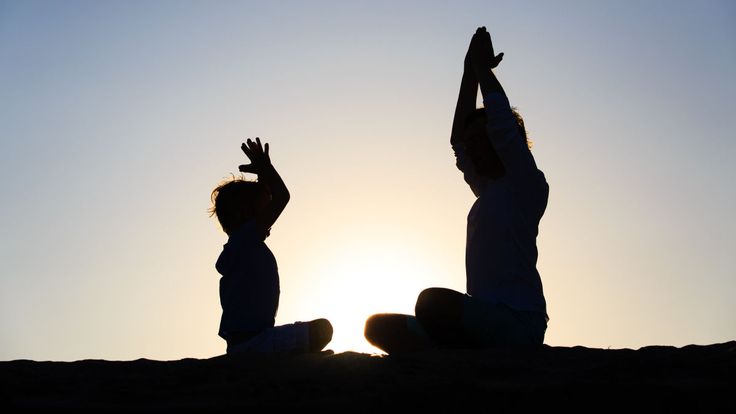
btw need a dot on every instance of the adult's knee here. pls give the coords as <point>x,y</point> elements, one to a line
<point>374,327</point>
<point>434,302</point>
<point>383,329</point>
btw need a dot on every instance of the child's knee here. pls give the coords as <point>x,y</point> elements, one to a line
<point>320,334</point>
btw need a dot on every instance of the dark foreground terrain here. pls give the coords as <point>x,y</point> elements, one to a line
<point>651,379</point>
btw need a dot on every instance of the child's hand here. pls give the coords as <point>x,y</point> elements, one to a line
<point>260,163</point>
<point>259,159</point>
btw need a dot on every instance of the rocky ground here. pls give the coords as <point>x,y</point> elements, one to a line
<point>652,379</point>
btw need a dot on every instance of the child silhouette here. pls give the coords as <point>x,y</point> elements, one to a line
<point>249,286</point>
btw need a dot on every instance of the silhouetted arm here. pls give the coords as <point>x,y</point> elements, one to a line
<point>483,60</point>
<point>468,94</point>
<point>502,129</point>
<point>465,106</point>
<point>267,174</point>
<point>465,103</point>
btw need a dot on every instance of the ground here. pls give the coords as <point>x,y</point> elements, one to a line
<point>696,378</point>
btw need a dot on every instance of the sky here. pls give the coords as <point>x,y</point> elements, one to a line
<point>118,118</point>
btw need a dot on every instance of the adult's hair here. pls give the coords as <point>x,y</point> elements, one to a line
<point>234,201</point>
<point>480,113</point>
<point>486,162</point>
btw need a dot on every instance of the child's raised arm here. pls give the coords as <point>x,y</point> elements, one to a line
<point>260,164</point>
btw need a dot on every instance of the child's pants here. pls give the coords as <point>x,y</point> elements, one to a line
<point>293,337</point>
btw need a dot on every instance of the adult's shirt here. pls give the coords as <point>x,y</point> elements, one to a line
<point>501,249</point>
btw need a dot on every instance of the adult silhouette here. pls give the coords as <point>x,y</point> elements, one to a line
<point>504,305</point>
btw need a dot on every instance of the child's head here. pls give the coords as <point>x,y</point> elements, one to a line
<point>479,148</point>
<point>236,201</point>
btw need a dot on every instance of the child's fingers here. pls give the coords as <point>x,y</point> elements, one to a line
<point>256,146</point>
<point>246,150</point>
<point>249,168</point>
<point>253,147</point>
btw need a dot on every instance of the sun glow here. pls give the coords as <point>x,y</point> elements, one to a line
<point>365,280</point>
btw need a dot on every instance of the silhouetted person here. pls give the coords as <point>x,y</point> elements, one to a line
<point>505,305</point>
<point>249,287</point>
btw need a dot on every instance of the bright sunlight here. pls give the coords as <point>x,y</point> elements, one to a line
<point>366,279</point>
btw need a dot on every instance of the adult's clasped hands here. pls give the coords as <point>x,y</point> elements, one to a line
<point>480,53</point>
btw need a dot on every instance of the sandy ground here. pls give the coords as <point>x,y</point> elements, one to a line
<point>695,378</point>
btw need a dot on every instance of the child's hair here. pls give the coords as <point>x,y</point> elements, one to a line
<point>234,200</point>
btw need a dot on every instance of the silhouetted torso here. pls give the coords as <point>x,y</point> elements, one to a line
<point>249,286</point>
<point>501,250</point>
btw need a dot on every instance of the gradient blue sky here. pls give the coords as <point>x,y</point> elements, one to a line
<point>118,118</point>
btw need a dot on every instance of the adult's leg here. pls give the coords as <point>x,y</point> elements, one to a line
<point>498,325</point>
<point>395,333</point>
<point>440,312</point>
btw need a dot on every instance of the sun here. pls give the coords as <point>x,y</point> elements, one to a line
<point>363,280</point>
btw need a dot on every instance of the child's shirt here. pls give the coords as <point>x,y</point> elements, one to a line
<point>501,249</point>
<point>249,286</point>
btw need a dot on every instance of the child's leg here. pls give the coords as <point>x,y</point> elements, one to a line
<point>440,312</point>
<point>396,333</point>
<point>294,337</point>
<point>320,334</point>
<point>285,338</point>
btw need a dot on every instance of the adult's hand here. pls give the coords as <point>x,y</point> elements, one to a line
<point>480,53</point>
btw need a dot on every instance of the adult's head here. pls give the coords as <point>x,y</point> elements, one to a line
<point>478,144</point>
